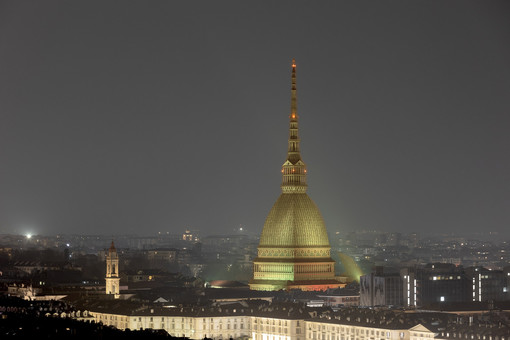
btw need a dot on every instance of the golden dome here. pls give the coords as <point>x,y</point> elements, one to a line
<point>294,250</point>
<point>294,221</point>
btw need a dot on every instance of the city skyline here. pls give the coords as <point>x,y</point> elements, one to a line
<point>146,119</point>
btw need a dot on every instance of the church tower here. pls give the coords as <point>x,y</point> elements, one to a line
<point>112,272</point>
<point>294,250</point>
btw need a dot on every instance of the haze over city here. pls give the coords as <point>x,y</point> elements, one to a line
<point>144,118</point>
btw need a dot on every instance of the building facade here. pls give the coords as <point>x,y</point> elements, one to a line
<point>433,284</point>
<point>261,327</point>
<point>381,290</point>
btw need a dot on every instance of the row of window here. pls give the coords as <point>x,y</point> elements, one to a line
<point>273,322</point>
<point>348,330</point>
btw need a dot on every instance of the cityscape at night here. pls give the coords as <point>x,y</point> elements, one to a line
<point>288,170</point>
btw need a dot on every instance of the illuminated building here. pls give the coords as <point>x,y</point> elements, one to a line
<point>436,283</point>
<point>487,285</point>
<point>272,322</point>
<point>190,236</point>
<point>294,249</point>
<point>432,284</point>
<point>112,272</point>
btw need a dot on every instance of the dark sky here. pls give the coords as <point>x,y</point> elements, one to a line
<point>147,116</point>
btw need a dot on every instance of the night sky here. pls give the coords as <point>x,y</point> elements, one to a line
<point>145,116</point>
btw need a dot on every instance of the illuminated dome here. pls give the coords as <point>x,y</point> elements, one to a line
<point>294,250</point>
<point>294,221</point>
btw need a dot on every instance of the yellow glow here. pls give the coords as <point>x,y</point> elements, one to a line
<point>293,115</point>
<point>351,267</point>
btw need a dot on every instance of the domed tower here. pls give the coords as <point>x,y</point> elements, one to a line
<point>112,272</point>
<point>294,250</point>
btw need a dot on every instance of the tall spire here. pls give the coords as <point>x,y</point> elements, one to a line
<point>294,169</point>
<point>112,247</point>
<point>293,99</point>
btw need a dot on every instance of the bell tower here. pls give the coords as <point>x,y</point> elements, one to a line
<point>112,272</point>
